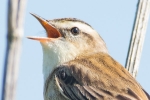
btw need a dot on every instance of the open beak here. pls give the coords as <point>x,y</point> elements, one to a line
<point>51,31</point>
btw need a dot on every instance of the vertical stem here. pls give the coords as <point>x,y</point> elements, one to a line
<point>14,41</point>
<point>138,36</point>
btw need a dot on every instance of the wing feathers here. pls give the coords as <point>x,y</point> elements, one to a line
<point>98,78</point>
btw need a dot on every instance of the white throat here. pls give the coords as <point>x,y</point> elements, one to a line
<point>54,55</point>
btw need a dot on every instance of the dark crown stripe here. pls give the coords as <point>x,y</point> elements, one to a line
<point>70,19</point>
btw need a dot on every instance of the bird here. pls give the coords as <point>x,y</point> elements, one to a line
<point>78,66</point>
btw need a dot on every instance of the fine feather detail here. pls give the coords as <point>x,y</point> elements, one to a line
<point>93,75</point>
<point>77,83</point>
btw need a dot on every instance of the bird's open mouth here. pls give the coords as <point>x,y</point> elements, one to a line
<point>51,31</point>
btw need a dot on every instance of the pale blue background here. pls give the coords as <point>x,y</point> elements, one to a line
<point>113,19</point>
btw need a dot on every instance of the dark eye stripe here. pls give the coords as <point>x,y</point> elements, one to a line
<point>87,35</point>
<point>68,30</point>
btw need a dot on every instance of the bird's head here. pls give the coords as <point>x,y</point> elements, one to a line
<point>68,38</point>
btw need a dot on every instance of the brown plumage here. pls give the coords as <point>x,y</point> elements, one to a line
<point>97,77</point>
<point>77,66</point>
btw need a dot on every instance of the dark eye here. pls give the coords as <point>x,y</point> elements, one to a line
<point>75,31</point>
